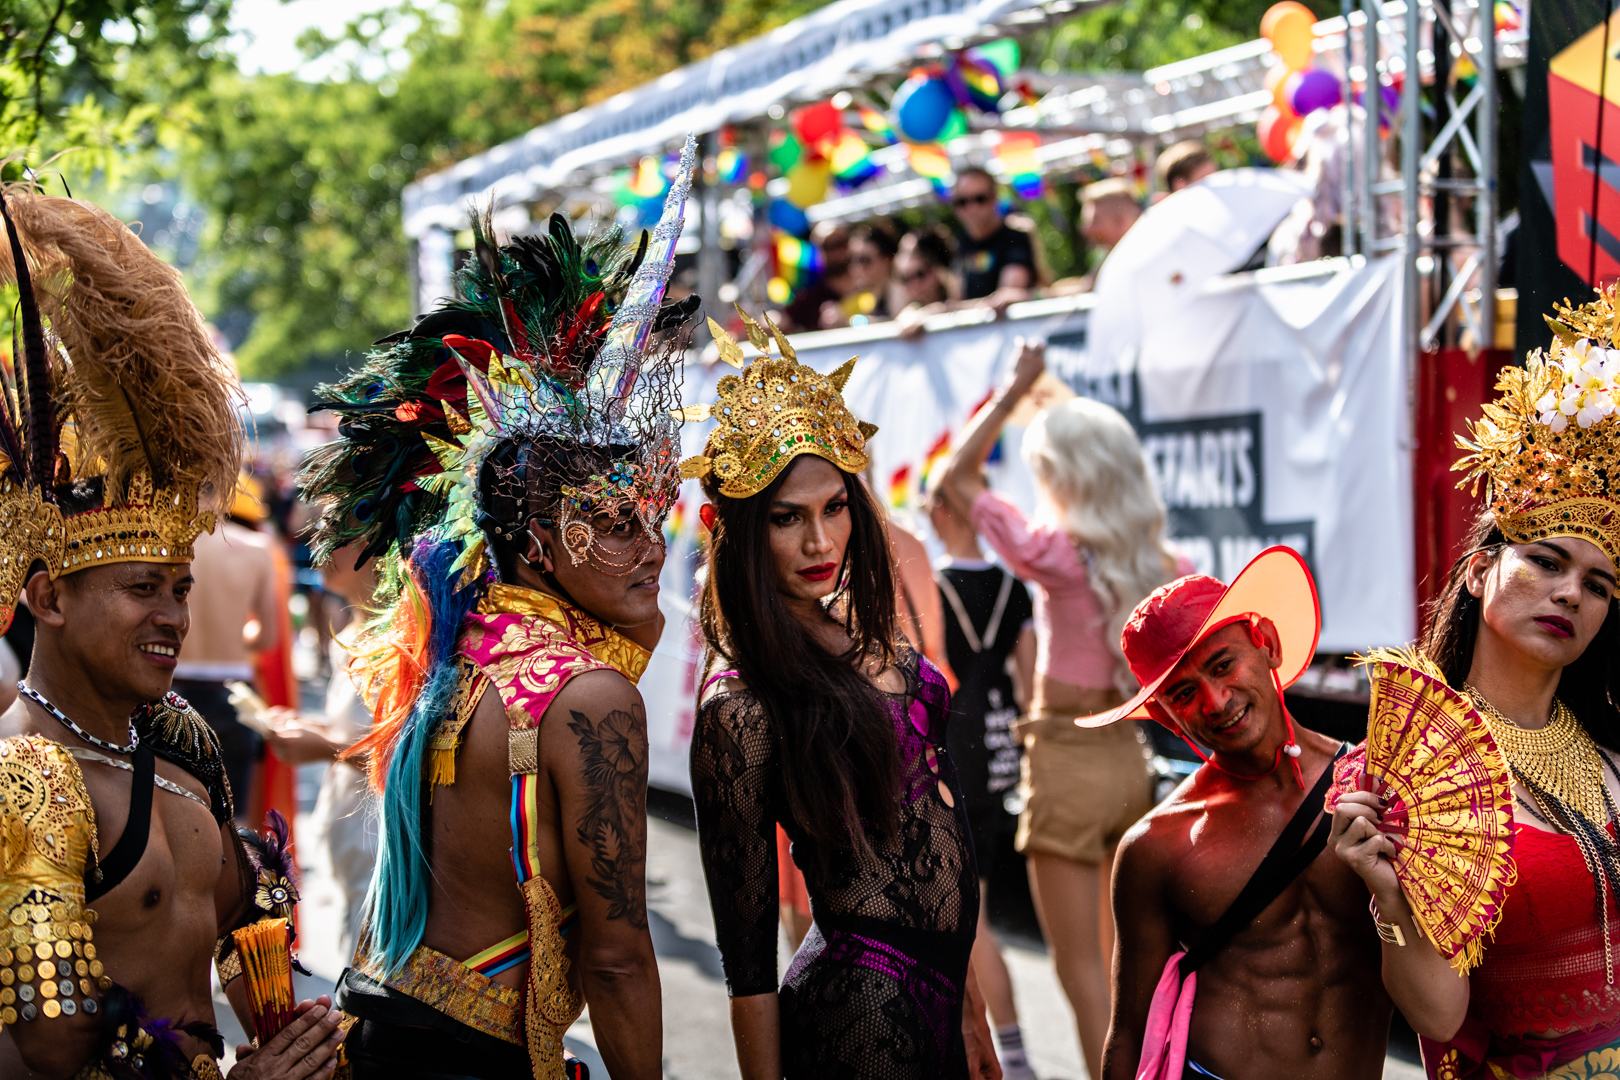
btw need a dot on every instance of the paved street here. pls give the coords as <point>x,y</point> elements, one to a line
<point>697,1035</point>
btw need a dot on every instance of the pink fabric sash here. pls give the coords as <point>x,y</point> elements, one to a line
<point>1164,1043</point>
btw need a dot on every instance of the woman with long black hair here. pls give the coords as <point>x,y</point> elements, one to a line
<point>1527,628</point>
<point>816,716</point>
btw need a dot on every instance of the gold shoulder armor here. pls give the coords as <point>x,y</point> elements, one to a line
<point>47,832</point>
<point>46,824</point>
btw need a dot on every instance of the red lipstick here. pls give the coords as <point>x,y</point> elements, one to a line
<point>1556,625</point>
<point>819,573</point>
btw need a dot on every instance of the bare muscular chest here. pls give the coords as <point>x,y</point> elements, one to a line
<point>1297,991</point>
<point>168,900</point>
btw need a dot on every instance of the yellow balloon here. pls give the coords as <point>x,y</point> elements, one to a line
<point>1292,37</point>
<point>807,183</point>
<point>1276,82</point>
<point>1277,11</point>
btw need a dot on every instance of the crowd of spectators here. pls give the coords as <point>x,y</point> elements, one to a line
<point>877,272</point>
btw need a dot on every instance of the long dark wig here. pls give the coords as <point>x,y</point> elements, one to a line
<point>1451,627</point>
<point>840,764</point>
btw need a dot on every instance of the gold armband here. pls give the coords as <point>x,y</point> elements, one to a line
<point>48,965</point>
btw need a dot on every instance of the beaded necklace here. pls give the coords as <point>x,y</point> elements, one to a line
<point>1560,758</point>
<point>40,700</point>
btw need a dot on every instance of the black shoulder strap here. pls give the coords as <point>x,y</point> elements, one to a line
<point>126,854</point>
<point>1286,860</point>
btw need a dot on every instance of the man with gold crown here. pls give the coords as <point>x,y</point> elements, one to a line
<point>121,873</point>
<point>1523,642</point>
<point>510,461</point>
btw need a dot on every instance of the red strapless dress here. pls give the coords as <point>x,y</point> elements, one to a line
<point>1542,997</point>
<point>1544,972</point>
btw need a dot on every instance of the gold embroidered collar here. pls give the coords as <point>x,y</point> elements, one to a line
<point>600,639</point>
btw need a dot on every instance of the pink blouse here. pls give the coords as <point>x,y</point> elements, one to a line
<point>1069,623</point>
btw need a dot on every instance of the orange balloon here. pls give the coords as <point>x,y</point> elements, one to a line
<point>1276,82</point>
<point>1292,37</point>
<point>1276,11</point>
<point>1277,132</point>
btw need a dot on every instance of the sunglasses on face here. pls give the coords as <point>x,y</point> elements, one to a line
<point>973,200</point>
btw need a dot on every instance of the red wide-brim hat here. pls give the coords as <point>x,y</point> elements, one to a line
<point>1276,585</point>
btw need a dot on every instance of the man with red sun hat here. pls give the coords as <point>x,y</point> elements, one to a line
<point>1245,949</point>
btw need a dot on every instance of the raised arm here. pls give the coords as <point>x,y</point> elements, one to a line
<point>963,476</point>
<point>1145,942</point>
<point>1432,997</point>
<point>733,770</point>
<point>597,759</point>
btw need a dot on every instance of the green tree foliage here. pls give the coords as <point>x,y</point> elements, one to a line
<point>302,180</point>
<point>104,78</point>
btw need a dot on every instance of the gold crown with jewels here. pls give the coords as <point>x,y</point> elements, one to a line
<point>1548,447</point>
<point>772,412</point>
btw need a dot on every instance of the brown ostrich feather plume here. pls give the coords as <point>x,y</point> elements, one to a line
<point>141,383</point>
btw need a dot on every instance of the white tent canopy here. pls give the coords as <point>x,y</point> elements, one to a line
<point>840,45</point>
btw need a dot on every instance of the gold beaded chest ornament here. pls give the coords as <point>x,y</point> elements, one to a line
<point>1548,448</point>
<point>48,965</point>
<point>118,388</point>
<point>770,413</point>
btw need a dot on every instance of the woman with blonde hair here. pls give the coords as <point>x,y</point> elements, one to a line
<point>1096,549</point>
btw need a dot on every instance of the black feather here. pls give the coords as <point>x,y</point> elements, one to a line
<point>676,312</point>
<point>35,369</point>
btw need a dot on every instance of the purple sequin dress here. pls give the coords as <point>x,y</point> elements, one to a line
<point>875,992</point>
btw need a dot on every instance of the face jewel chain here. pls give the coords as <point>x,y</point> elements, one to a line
<point>39,699</point>
<point>1562,769</point>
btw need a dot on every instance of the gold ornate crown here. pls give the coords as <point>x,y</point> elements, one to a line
<point>774,411</point>
<point>1549,446</point>
<point>150,526</point>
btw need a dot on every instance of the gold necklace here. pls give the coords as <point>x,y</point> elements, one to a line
<point>1560,758</point>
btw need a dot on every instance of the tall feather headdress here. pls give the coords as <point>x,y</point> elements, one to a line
<point>547,339</point>
<point>121,428</point>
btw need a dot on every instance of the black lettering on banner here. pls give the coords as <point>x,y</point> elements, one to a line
<point>1210,471</point>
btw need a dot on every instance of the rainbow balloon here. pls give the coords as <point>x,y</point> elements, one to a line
<point>852,163</point>
<point>1016,152</point>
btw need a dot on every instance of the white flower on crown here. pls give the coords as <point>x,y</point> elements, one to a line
<point>1588,393</point>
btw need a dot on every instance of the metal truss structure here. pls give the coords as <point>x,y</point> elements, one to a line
<point>1433,201</point>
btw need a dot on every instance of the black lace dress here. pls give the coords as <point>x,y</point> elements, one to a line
<point>875,992</point>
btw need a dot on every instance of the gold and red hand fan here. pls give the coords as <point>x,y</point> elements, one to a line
<point>267,967</point>
<point>1449,802</point>
<point>267,972</point>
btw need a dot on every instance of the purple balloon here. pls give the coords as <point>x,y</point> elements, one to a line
<point>1313,89</point>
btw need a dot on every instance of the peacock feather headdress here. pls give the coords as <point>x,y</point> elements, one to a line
<point>121,429</point>
<point>1548,448</point>
<point>542,367</point>
<point>542,390</point>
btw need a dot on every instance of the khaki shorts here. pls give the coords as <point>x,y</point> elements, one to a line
<point>1083,787</point>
